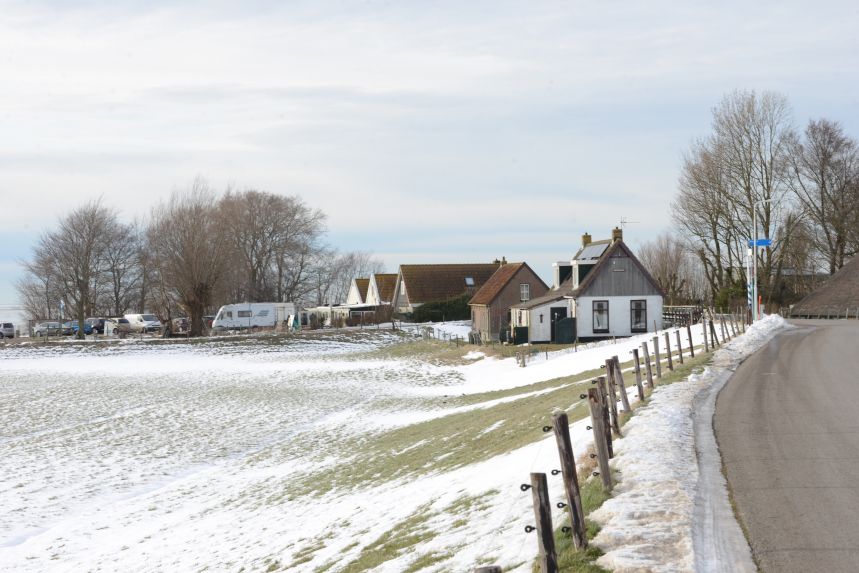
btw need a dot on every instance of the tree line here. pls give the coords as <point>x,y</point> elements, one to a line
<point>801,188</point>
<point>195,251</point>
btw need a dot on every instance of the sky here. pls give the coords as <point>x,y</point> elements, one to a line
<point>428,132</point>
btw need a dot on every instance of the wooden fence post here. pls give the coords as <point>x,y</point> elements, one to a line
<point>599,437</point>
<point>656,357</point>
<point>706,334</point>
<point>543,516</point>
<point>561,423</point>
<point>611,402</point>
<point>714,340</point>
<point>606,418</point>
<point>724,329</point>
<point>647,368</point>
<point>668,351</point>
<point>679,346</point>
<point>691,344</point>
<point>638,374</point>
<point>618,378</point>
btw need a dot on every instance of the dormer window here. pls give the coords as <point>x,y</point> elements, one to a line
<point>469,281</point>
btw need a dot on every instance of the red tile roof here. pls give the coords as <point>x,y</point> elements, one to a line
<point>428,283</point>
<point>496,283</point>
<point>363,285</point>
<point>386,284</point>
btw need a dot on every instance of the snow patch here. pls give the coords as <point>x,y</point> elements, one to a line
<point>670,511</point>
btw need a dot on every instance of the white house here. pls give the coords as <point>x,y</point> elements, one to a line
<point>358,292</point>
<point>604,292</point>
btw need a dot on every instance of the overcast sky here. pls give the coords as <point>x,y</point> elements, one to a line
<point>427,131</point>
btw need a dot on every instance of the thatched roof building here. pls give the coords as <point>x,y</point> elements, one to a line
<point>838,296</point>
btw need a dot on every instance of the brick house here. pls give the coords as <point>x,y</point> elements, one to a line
<point>511,284</point>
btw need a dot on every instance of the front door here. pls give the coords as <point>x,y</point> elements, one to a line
<point>556,313</point>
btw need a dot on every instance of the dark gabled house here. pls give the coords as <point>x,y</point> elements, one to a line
<point>511,284</point>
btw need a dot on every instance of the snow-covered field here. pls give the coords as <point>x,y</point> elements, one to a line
<point>249,454</point>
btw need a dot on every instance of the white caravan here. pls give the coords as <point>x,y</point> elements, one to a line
<point>252,315</point>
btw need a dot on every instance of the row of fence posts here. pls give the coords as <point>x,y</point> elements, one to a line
<point>602,402</point>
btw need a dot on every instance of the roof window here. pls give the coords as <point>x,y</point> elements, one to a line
<point>469,281</point>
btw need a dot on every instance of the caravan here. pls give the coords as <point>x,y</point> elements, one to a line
<point>252,315</point>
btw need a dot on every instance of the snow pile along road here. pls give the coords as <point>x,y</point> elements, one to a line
<point>670,511</point>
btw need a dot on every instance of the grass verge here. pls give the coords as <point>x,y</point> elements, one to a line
<point>593,495</point>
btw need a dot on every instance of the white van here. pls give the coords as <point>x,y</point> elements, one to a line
<point>252,315</point>
<point>143,322</point>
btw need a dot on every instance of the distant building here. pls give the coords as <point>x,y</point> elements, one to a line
<point>605,291</point>
<point>838,296</point>
<point>358,291</point>
<point>419,284</point>
<point>511,284</point>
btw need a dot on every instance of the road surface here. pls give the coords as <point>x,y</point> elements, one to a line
<point>787,425</point>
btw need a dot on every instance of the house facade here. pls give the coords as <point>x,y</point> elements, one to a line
<point>512,283</point>
<point>380,289</point>
<point>607,293</point>
<point>419,284</point>
<point>358,292</point>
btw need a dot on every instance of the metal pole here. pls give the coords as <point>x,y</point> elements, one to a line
<point>755,264</point>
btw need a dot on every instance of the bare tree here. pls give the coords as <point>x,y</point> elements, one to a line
<point>668,260</point>
<point>38,290</point>
<point>188,242</point>
<point>736,176</point>
<point>824,175</point>
<point>274,239</point>
<point>123,268</point>
<point>75,255</point>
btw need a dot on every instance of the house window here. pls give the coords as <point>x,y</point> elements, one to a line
<point>638,315</point>
<point>600,316</point>
<point>469,281</point>
<point>524,292</point>
<point>245,314</point>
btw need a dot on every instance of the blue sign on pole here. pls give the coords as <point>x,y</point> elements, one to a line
<point>761,243</point>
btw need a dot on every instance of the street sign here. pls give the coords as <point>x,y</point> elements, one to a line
<point>761,242</point>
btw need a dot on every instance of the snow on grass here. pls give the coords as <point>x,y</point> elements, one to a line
<point>670,511</point>
<point>318,453</point>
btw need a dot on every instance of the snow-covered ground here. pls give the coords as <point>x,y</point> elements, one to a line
<point>670,511</point>
<point>147,457</point>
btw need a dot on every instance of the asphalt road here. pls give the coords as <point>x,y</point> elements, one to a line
<point>787,425</point>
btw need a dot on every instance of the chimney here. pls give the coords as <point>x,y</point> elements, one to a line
<point>616,235</point>
<point>503,260</point>
<point>586,240</point>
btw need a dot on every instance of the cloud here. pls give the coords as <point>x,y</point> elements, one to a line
<point>471,120</point>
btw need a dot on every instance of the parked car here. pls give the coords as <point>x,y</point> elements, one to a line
<point>97,324</point>
<point>47,329</point>
<point>71,327</point>
<point>118,326</point>
<point>143,322</point>
<point>7,330</point>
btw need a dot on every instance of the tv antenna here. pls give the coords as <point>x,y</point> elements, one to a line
<point>624,221</point>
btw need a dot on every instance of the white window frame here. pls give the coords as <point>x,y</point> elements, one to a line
<point>524,292</point>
